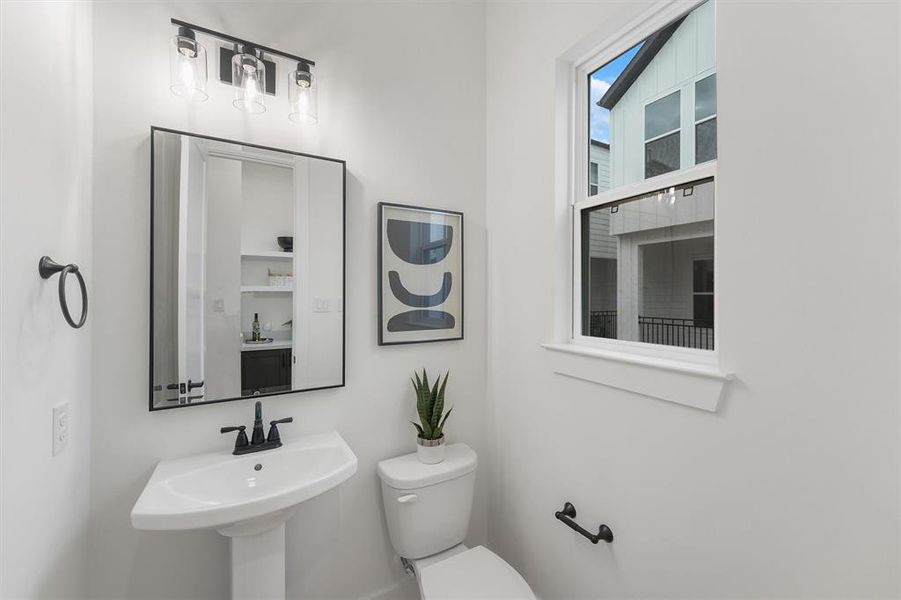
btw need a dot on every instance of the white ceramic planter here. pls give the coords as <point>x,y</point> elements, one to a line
<point>430,452</point>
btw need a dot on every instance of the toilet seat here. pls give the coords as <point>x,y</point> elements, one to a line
<point>475,574</point>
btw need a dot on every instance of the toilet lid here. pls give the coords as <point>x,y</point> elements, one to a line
<point>476,574</point>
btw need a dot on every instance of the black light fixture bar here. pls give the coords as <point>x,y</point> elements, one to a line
<point>235,40</point>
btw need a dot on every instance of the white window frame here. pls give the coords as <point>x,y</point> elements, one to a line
<point>657,17</point>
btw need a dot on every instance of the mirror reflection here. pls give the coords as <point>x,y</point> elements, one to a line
<point>248,271</point>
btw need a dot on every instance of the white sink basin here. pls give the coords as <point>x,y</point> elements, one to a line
<point>221,491</point>
<point>247,498</point>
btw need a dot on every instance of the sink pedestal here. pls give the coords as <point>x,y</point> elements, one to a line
<point>258,565</point>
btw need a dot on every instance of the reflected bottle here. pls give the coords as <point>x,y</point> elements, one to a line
<point>255,328</point>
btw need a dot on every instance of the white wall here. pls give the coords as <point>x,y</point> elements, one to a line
<point>321,223</point>
<point>791,489</point>
<point>223,279</point>
<point>45,208</point>
<point>267,208</point>
<point>403,101</point>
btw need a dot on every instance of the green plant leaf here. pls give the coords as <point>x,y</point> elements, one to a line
<point>438,408</point>
<point>437,403</point>
<point>418,429</point>
<point>433,403</point>
<point>422,409</point>
<point>423,406</point>
<point>439,431</point>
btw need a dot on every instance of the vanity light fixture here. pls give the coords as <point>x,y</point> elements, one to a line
<point>249,67</point>
<point>187,66</point>
<point>302,95</point>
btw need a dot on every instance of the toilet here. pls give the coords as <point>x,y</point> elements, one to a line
<point>427,508</point>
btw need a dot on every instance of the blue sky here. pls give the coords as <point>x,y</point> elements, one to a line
<point>600,81</point>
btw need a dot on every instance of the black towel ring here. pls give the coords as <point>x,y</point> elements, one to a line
<point>47,267</point>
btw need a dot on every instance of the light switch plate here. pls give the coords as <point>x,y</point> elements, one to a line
<point>322,305</point>
<point>60,427</point>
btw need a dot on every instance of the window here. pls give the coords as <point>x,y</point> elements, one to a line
<point>702,286</point>
<point>705,119</point>
<point>592,178</point>
<point>641,280</point>
<point>661,134</point>
<point>644,231</point>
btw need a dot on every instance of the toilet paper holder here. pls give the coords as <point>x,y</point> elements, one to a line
<point>569,513</point>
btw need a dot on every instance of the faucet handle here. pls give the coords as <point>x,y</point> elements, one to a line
<point>241,440</point>
<point>273,436</point>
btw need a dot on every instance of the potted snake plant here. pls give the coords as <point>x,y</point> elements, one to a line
<point>430,407</point>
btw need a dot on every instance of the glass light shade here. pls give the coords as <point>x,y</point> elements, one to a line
<point>187,69</point>
<point>248,77</point>
<point>303,92</point>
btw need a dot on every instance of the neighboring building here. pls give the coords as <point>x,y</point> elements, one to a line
<point>598,167</point>
<point>603,248</point>
<point>651,260</point>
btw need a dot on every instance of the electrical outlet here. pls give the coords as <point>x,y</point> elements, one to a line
<point>60,427</point>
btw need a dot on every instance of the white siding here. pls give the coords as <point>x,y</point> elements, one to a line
<point>602,245</point>
<point>601,156</point>
<point>666,277</point>
<point>631,267</point>
<point>653,213</point>
<point>687,56</point>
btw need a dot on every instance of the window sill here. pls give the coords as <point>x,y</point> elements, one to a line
<point>687,383</point>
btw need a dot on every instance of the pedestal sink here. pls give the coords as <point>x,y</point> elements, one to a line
<point>246,498</point>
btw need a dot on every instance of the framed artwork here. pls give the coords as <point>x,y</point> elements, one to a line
<point>420,281</point>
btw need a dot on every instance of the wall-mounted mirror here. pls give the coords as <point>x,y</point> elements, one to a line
<point>247,271</point>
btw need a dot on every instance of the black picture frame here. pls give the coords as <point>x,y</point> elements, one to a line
<point>380,265</point>
<point>186,403</point>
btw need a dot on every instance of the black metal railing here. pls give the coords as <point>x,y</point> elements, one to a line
<point>602,323</point>
<point>684,333</point>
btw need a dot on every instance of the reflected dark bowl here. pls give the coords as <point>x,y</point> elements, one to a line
<point>286,242</point>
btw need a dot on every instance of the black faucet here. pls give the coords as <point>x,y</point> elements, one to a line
<point>257,442</point>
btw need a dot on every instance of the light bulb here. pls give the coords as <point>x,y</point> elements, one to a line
<point>187,67</point>
<point>248,74</point>
<point>187,74</point>
<point>303,92</point>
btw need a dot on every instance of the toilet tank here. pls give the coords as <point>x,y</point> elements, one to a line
<point>428,506</point>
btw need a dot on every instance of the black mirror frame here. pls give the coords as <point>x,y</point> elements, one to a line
<point>186,402</point>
